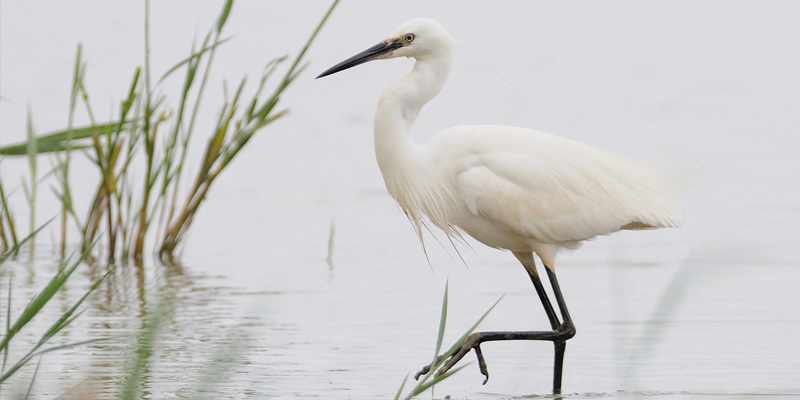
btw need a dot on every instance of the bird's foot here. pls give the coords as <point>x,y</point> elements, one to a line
<point>472,341</point>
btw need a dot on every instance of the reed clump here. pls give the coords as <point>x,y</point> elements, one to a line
<point>146,136</point>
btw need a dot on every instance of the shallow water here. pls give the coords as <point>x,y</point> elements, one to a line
<point>708,310</point>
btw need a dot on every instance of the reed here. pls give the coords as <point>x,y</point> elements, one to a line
<point>35,306</point>
<point>8,231</point>
<point>30,188</point>
<point>145,136</point>
<point>425,382</point>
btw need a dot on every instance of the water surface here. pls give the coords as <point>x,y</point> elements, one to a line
<point>709,310</point>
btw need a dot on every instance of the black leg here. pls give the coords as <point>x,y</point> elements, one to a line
<point>568,327</point>
<point>559,335</point>
<point>548,308</point>
<point>530,266</point>
<point>558,364</point>
<point>559,297</point>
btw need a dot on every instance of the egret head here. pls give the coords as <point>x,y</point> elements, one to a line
<point>418,38</point>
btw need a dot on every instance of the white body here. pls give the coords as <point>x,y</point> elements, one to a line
<point>508,187</point>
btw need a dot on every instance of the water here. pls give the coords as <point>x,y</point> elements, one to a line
<point>708,310</point>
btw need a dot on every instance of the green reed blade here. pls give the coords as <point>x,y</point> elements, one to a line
<point>442,323</point>
<point>16,247</point>
<point>400,389</point>
<point>33,378</point>
<point>425,386</point>
<point>59,140</point>
<point>223,17</point>
<point>38,302</point>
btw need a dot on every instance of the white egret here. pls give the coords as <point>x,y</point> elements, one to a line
<point>509,188</point>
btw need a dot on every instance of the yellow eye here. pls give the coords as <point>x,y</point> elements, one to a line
<point>409,38</point>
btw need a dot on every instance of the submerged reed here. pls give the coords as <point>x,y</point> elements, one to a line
<point>8,231</point>
<point>37,303</point>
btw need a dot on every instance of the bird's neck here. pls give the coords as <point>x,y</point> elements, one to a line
<point>409,174</point>
<point>398,109</point>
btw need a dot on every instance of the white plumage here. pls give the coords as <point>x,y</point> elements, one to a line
<point>509,188</point>
<point>525,190</point>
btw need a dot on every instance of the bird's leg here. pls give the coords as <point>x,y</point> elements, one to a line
<point>567,326</point>
<point>559,345</point>
<point>530,266</point>
<point>548,308</point>
<point>471,342</point>
<point>560,299</point>
<point>559,335</point>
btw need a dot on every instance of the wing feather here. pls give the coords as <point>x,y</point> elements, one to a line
<point>556,190</point>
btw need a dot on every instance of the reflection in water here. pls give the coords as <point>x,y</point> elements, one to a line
<point>668,330</point>
<point>195,344</point>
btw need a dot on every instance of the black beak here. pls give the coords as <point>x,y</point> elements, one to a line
<point>369,54</point>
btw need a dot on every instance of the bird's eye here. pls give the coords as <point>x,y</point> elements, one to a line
<point>409,37</point>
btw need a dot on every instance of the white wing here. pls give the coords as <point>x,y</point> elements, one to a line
<point>552,189</point>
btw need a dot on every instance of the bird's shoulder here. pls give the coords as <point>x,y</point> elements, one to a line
<point>517,154</point>
<point>493,138</point>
